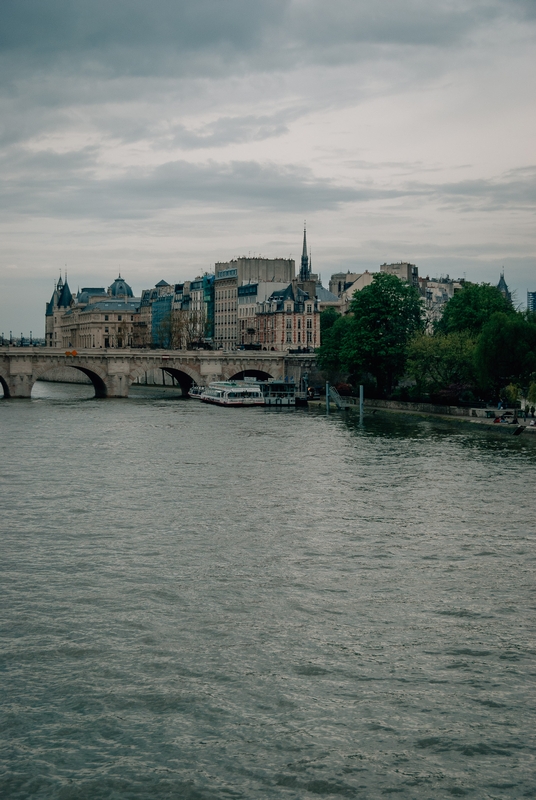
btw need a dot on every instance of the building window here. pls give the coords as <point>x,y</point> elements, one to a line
<point>289,324</point>
<point>309,309</point>
<point>106,317</point>
<point>106,330</point>
<point>309,323</point>
<point>119,317</point>
<point>299,336</point>
<point>289,338</point>
<point>299,324</point>
<point>309,336</point>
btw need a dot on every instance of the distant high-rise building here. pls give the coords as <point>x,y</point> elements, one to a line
<point>531,301</point>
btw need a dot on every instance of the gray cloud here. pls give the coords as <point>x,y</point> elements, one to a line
<point>235,130</point>
<point>68,185</point>
<point>128,130</point>
<point>208,37</point>
<point>64,186</point>
<point>515,189</point>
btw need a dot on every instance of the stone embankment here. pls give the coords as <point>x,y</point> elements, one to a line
<point>479,416</point>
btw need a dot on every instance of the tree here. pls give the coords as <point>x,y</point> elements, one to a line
<point>329,352</point>
<point>384,316</point>
<point>506,351</point>
<point>471,308</point>
<point>328,318</point>
<point>439,361</point>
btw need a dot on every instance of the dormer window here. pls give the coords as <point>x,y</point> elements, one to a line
<point>309,309</point>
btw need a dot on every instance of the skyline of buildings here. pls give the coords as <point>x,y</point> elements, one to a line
<point>223,309</point>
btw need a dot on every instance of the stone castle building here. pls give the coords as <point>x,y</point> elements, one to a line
<point>95,317</point>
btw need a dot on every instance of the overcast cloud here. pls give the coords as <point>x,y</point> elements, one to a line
<point>158,138</point>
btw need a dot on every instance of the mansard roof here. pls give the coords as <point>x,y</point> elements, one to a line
<point>88,292</point>
<point>126,306</point>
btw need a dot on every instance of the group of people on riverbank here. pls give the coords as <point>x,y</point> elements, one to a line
<point>524,413</point>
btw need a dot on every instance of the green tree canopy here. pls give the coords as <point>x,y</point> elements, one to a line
<point>436,362</point>
<point>330,351</point>
<point>373,338</point>
<point>506,351</point>
<point>328,318</point>
<point>472,307</point>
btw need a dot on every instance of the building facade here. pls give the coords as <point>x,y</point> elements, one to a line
<point>249,297</point>
<point>288,320</point>
<point>404,270</point>
<point>94,318</point>
<point>231,275</point>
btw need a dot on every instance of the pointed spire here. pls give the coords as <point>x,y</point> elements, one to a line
<point>304,269</point>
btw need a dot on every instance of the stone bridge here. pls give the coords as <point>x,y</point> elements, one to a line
<point>112,372</point>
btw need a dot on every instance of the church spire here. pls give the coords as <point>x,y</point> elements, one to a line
<point>305,271</point>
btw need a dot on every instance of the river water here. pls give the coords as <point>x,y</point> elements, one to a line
<point>203,603</point>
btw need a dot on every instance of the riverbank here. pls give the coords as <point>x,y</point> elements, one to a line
<point>452,414</point>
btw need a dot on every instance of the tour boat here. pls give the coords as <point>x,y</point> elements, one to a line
<point>195,392</point>
<point>233,393</point>
<point>278,393</point>
<point>250,392</point>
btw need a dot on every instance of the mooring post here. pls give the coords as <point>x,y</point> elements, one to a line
<point>361,400</point>
<point>327,397</point>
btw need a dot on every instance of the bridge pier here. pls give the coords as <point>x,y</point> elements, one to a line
<point>20,386</point>
<point>17,379</point>
<point>117,381</point>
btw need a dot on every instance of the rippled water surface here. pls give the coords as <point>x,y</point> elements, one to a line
<point>203,603</point>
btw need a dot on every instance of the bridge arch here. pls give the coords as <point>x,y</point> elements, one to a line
<point>98,381</point>
<point>260,374</point>
<point>183,374</point>
<point>4,385</point>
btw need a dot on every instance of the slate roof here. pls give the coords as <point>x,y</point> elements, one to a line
<point>324,295</point>
<point>120,288</point>
<point>503,287</point>
<point>64,300</point>
<point>88,292</point>
<point>122,306</point>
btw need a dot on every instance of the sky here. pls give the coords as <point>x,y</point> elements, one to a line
<point>154,139</point>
